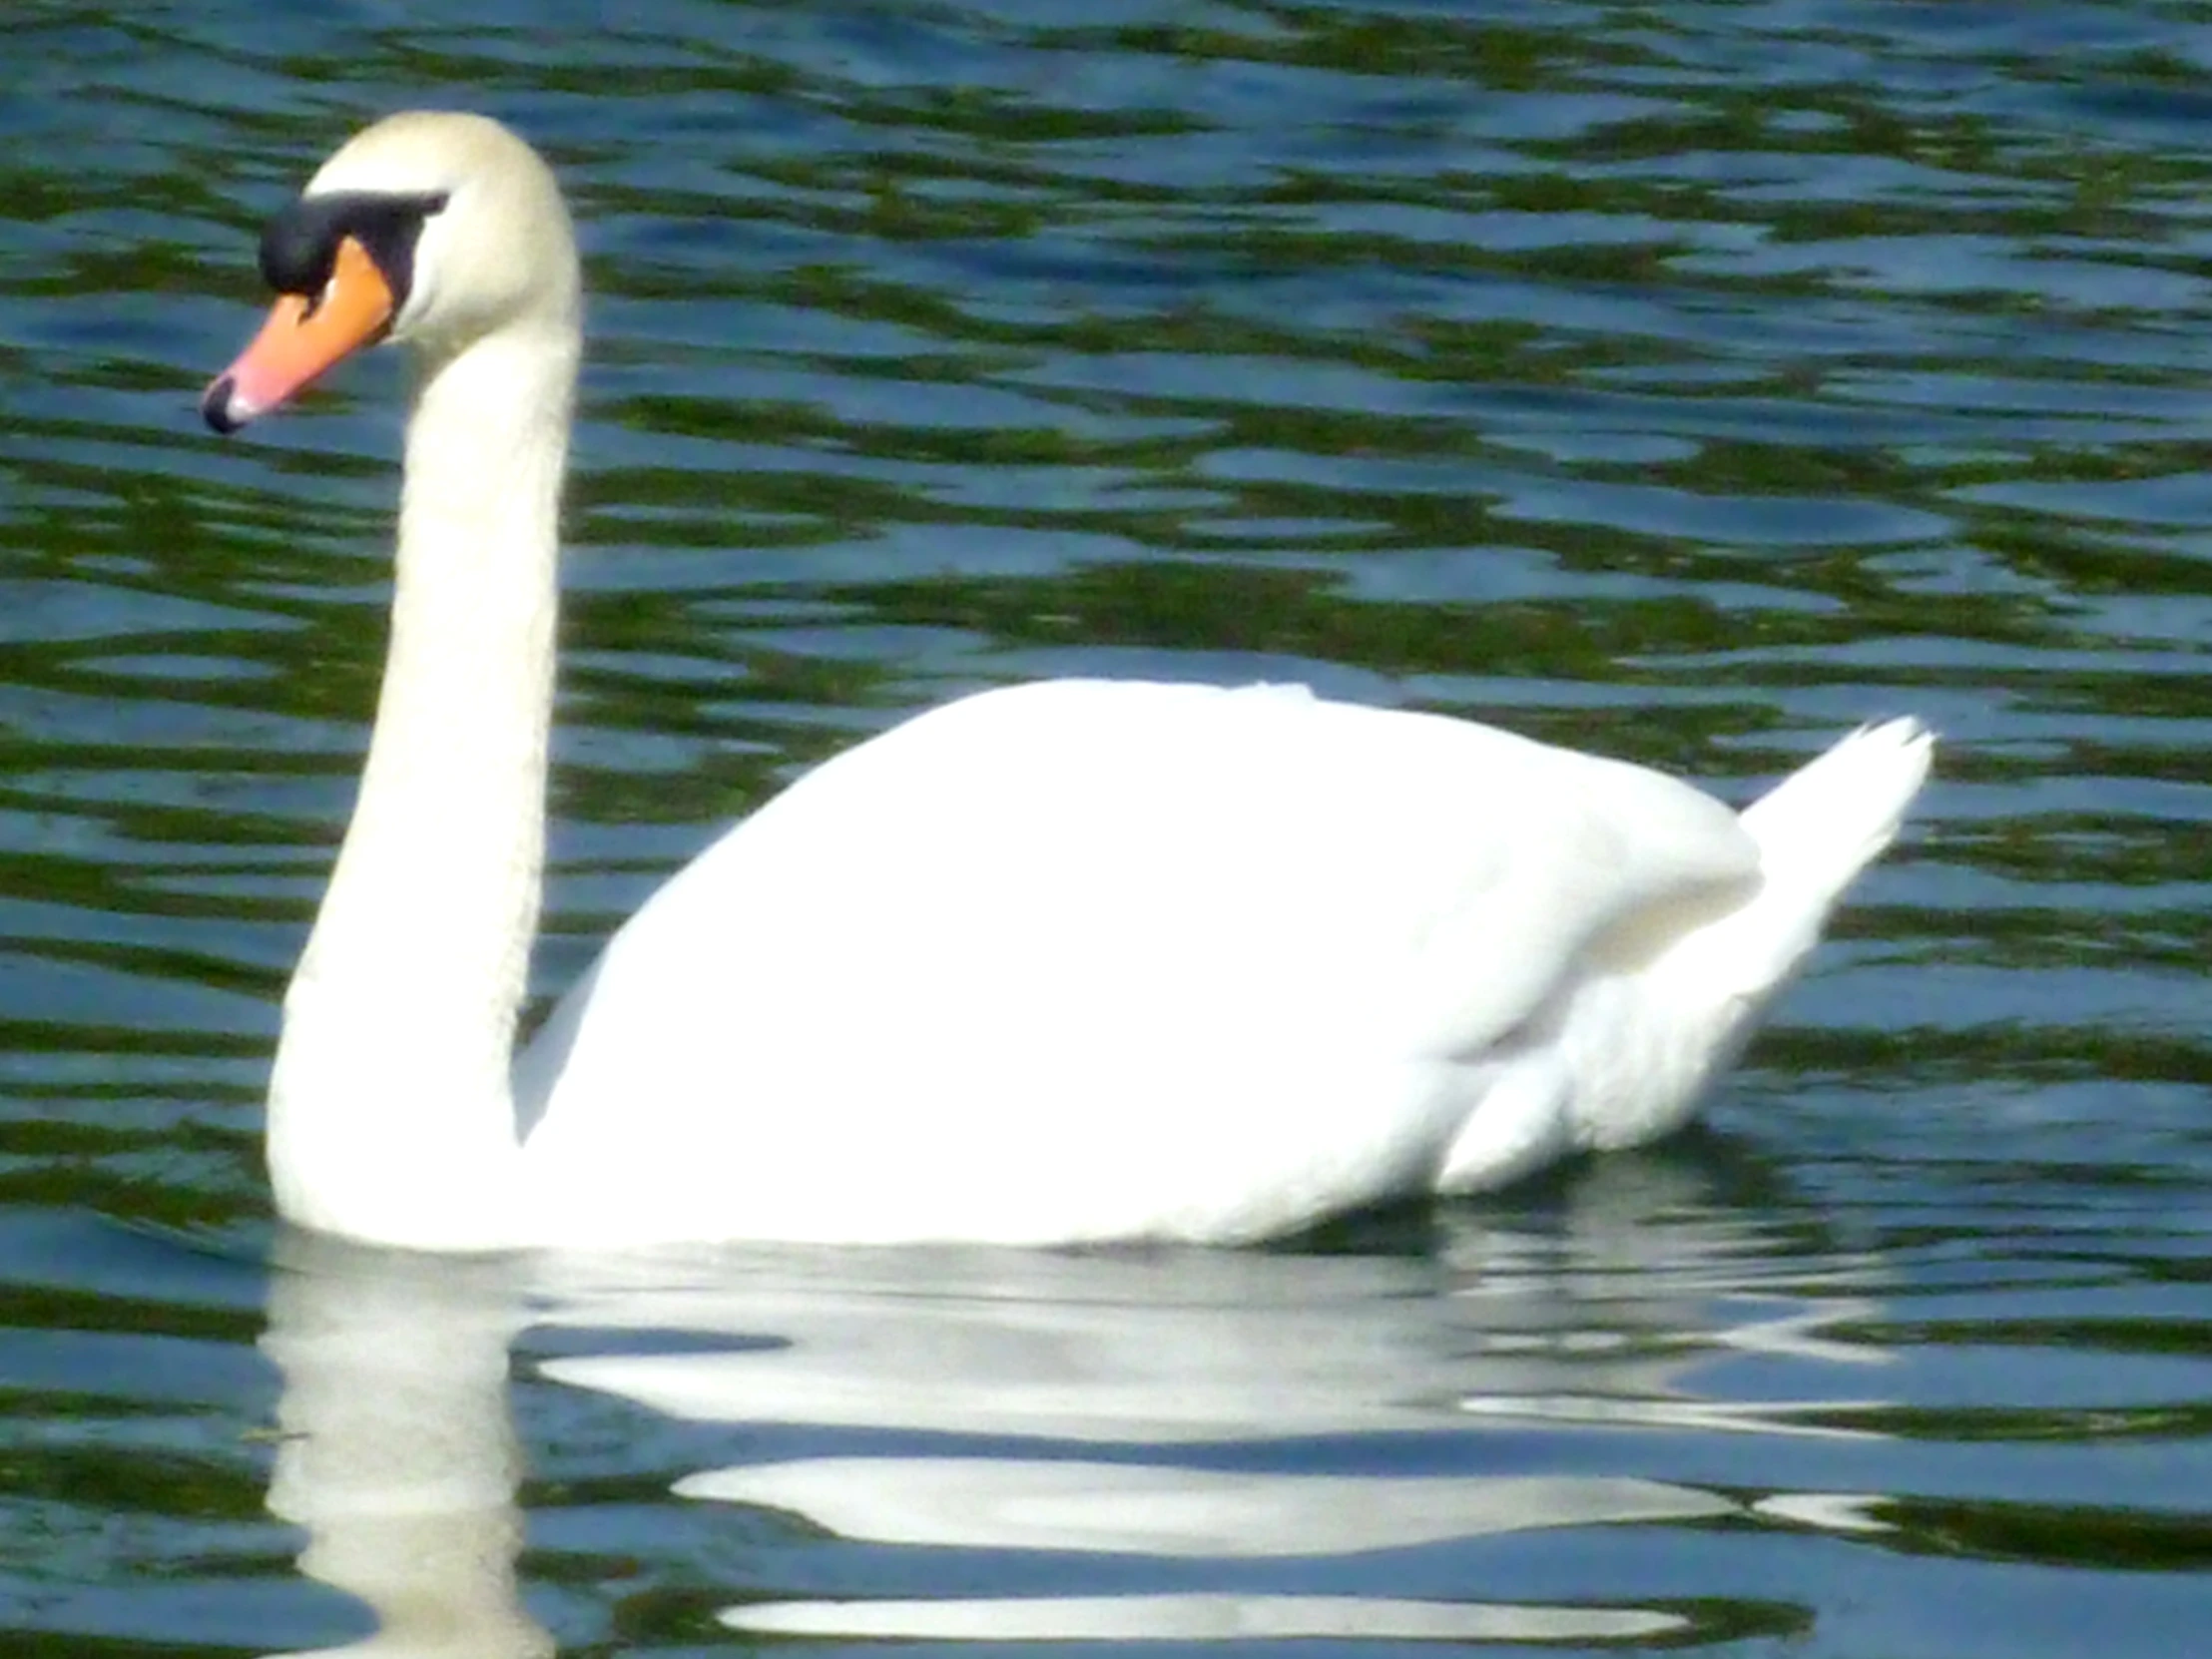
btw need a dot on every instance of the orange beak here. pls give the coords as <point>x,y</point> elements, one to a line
<point>302,338</point>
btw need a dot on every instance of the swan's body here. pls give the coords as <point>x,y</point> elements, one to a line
<point>1079,960</point>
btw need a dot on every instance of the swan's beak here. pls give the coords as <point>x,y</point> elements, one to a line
<point>301,339</point>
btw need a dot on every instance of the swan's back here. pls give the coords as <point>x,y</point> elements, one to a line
<point>1100,959</point>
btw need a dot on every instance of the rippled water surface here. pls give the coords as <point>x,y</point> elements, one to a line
<point>1689,381</point>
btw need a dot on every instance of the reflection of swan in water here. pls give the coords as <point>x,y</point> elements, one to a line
<point>395,1451</point>
<point>1171,1409</point>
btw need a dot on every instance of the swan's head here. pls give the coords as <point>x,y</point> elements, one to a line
<point>430,229</point>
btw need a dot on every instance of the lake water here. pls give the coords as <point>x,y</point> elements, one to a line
<point>1689,381</point>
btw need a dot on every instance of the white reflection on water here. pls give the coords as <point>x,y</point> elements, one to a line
<point>397,1452</point>
<point>1069,1504</point>
<point>1219,1618</point>
<point>1073,1393</point>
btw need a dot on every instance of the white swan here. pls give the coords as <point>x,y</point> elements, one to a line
<point>1070,961</point>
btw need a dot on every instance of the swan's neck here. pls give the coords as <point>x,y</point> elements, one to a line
<point>391,1114</point>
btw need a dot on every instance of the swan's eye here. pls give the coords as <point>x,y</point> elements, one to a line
<point>299,246</point>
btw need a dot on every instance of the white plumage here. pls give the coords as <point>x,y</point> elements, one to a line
<point>1076,960</point>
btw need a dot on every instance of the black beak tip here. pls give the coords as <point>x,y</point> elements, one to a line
<point>215,407</point>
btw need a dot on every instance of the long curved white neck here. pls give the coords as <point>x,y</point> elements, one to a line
<point>392,1113</point>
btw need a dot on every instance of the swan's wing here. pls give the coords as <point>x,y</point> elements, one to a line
<point>1077,914</point>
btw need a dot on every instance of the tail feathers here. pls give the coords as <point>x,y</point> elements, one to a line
<point>1642,1047</point>
<point>1816,830</point>
<point>1825,822</point>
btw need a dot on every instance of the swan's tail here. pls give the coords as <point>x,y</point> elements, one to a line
<point>1641,1044</point>
<point>1816,830</point>
<point>1685,1017</point>
<point>1825,822</point>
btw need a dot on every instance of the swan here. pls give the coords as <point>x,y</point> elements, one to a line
<point>1064,962</point>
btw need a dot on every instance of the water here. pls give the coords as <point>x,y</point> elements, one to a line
<point>1690,382</point>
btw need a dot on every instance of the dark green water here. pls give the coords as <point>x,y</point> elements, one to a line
<point>1691,381</point>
